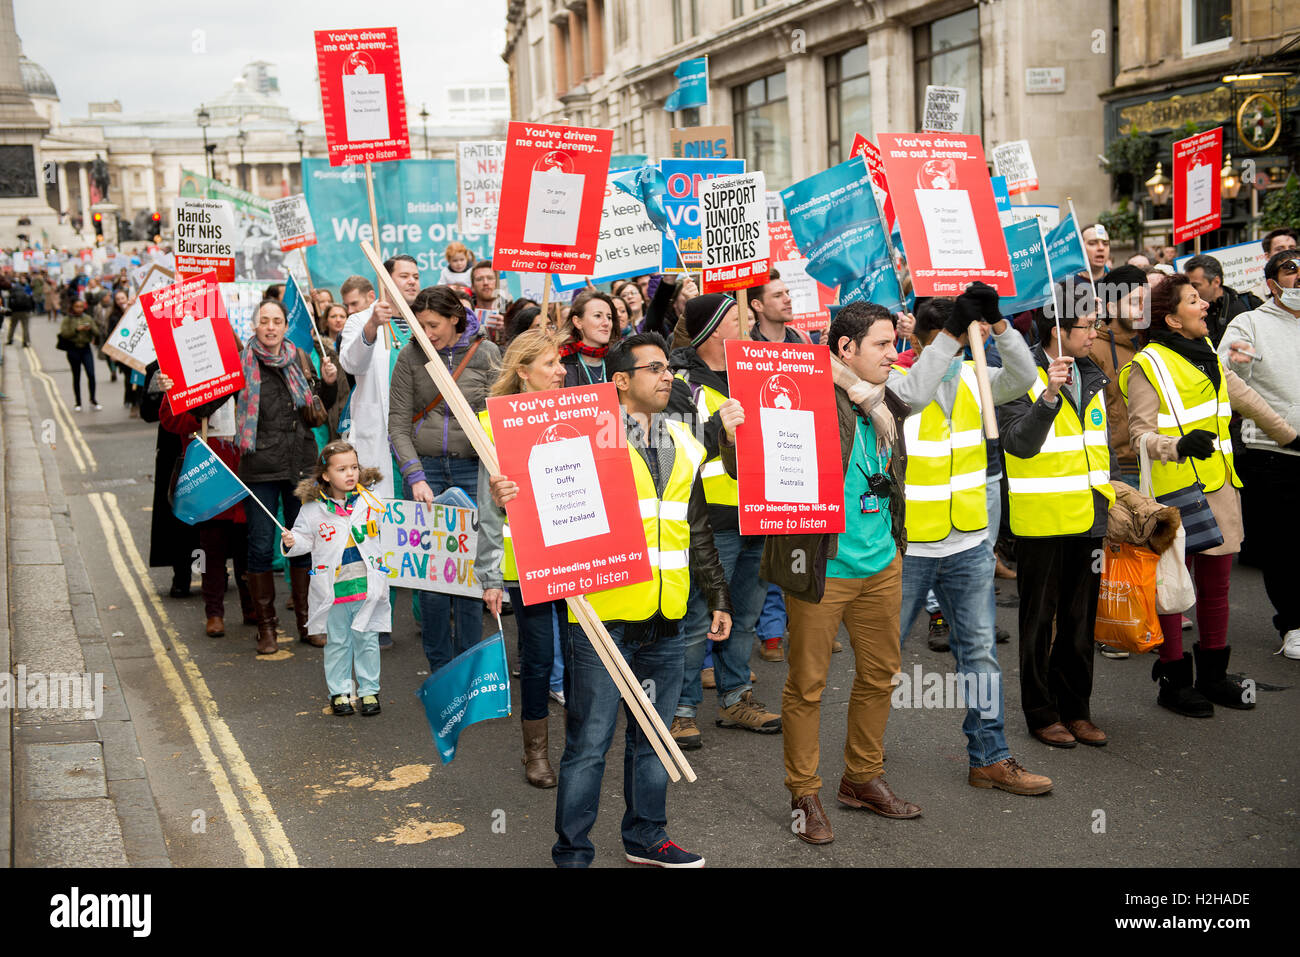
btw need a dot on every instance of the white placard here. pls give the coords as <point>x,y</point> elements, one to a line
<point>567,490</point>
<point>554,207</point>
<point>1014,161</point>
<point>790,448</point>
<point>1243,264</point>
<point>629,245</point>
<point>365,106</point>
<point>945,107</point>
<point>130,341</point>
<point>1200,183</point>
<point>204,233</point>
<point>196,345</point>
<point>775,208</point>
<point>221,424</point>
<point>293,222</point>
<point>20,262</point>
<point>950,228</point>
<point>479,167</point>
<point>1050,215</point>
<point>733,225</point>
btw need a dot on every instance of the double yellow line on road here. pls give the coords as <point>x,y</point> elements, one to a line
<point>257,832</point>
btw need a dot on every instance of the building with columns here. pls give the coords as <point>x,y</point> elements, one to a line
<point>796,79</point>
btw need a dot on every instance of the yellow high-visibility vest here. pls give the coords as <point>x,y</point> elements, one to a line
<point>667,538</point>
<point>508,570</point>
<point>946,465</point>
<point>1051,493</point>
<point>719,487</point>
<point>1196,406</point>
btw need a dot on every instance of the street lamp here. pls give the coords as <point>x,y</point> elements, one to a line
<point>424,123</point>
<point>241,138</point>
<point>204,120</point>
<point>1229,181</point>
<point>300,135</point>
<point>1158,186</point>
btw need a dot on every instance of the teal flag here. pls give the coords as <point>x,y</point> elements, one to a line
<point>1064,250</point>
<point>474,686</point>
<point>1028,267</point>
<point>299,318</point>
<point>692,85</point>
<point>205,487</point>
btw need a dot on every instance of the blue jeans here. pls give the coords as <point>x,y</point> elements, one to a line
<point>592,713</point>
<point>449,624</point>
<point>536,626</point>
<point>771,620</point>
<point>964,584</point>
<point>559,623</point>
<point>740,557</point>
<point>263,536</point>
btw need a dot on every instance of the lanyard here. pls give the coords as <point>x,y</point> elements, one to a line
<point>586,370</point>
<point>862,447</point>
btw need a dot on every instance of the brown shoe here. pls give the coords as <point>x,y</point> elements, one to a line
<point>1008,775</point>
<point>875,795</point>
<point>707,679</point>
<point>1087,732</point>
<point>811,826</point>
<point>316,641</point>
<point>773,653</point>
<point>537,759</point>
<point>836,647</point>
<point>1056,735</point>
<point>216,626</point>
<point>1002,571</point>
<point>261,586</point>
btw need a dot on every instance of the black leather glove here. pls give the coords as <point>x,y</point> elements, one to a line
<point>987,297</point>
<point>964,311</point>
<point>1197,444</point>
<point>1294,444</point>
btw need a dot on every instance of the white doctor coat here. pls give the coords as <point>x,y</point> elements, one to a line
<point>371,366</point>
<point>324,534</point>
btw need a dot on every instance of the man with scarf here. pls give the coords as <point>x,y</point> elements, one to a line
<point>277,450</point>
<point>700,388</point>
<point>854,578</point>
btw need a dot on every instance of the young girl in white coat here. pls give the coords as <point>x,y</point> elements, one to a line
<point>348,597</point>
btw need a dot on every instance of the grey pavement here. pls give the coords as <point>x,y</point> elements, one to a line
<point>73,786</point>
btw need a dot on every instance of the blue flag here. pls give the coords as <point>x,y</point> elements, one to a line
<point>1000,194</point>
<point>474,686</point>
<point>299,317</point>
<point>205,487</point>
<point>836,224</point>
<point>1064,251</point>
<point>1028,267</point>
<point>647,184</point>
<point>692,85</point>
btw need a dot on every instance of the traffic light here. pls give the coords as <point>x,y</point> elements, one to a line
<point>98,219</point>
<point>155,226</point>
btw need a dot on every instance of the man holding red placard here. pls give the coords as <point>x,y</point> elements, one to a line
<point>643,619</point>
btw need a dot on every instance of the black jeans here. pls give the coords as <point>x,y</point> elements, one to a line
<point>1058,578</point>
<point>79,356</point>
<point>1272,524</point>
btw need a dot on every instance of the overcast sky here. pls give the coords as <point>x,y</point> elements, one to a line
<point>144,53</point>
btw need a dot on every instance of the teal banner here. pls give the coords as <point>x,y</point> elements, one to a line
<point>415,202</point>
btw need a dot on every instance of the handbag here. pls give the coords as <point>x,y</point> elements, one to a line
<point>1126,599</point>
<point>64,344</point>
<point>1199,525</point>
<point>1175,592</point>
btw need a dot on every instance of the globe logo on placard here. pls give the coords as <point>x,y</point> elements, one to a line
<point>557,433</point>
<point>780,392</point>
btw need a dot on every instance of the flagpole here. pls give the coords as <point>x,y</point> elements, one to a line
<point>1051,280</point>
<point>201,441</point>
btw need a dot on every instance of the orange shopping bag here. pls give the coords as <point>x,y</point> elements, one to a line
<point>1126,603</point>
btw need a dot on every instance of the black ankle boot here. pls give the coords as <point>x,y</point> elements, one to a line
<point>1176,691</point>
<point>1213,682</point>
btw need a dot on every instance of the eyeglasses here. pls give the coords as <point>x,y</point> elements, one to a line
<point>656,368</point>
<point>1098,324</point>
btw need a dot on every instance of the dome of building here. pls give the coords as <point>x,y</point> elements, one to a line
<point>241,101</point>
<point>36,82</point>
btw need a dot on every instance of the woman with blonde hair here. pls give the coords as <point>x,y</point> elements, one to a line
<point>531,364</point>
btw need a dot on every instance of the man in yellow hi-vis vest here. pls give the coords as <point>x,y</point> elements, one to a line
<point>948,513</point>
<point>643,619</point>
<point>1059,466</point>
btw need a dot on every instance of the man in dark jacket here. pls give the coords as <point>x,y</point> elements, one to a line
<point>854,577</point>
<point>701,379</point>
<point>1226,304</point>
<point>21,305</point>
<point>1059,467</point>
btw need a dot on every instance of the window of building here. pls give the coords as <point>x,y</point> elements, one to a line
<point>537,58</point>
<point>948,54</point>
<point>737,8</point>
<point>620,23</point>
<point>848,100</point>
<point>761,121</point>
<point>1207,26</point>
<point>686,20</point>
<point>456,95</point>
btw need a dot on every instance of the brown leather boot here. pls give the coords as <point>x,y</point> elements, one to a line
<point>216,626</point>
<point>246,601</point>
<point>537,762</point>
<point>261,586</point>
<point>300,579</point>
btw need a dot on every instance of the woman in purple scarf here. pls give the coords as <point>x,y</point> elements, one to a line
<point>277,450</point>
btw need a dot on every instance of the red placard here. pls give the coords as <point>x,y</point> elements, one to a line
<point>361,95</point>
<point>876,167</point>
<point>196,346</point>
<point>809,299</point>
<point>552,194</point>
<point>946,212</point>
<point>576,524</point>
<point>788,449</point>
<point>1197,160</point>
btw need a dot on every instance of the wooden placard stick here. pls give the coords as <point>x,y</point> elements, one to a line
<point>374,225</point>
<point>982,377</point>
<point>546,299</point>
<point>742,300</point>
<point>595,630</point>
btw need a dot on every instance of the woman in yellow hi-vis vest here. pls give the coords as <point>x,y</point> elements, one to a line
<point>1179,393</point>
<point>1059,463</point>
<point>531,364</point>
<point>643,619</point>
